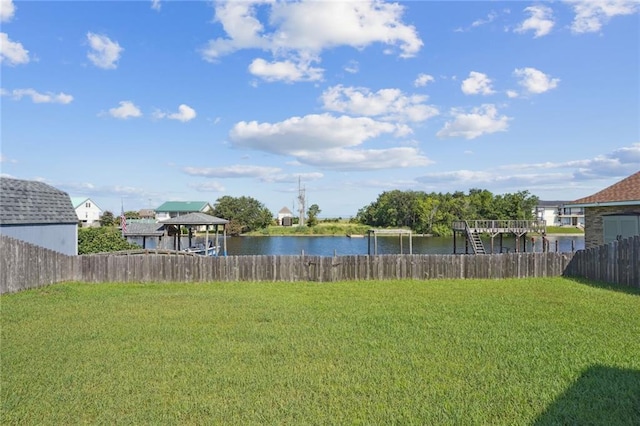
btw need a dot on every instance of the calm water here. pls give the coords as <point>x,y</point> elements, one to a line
<point>342,245</point>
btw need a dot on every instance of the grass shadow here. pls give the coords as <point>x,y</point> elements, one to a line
<point>601,396</point>
<point>607,286</point>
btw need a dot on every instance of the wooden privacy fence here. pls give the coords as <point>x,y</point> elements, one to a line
<point>24,265</point>
<point>152,268</point>
<point>617,263</point>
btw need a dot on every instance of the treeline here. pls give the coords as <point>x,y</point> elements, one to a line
<point>434,213</point>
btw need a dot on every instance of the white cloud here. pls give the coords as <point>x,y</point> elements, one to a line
<point>353,67</point>
<point>126,110</point>
<point>481,120</point>
<point>592,15</point>
<point>535,81</point>
<point>12,52</point>
<point>208,186</point>
<point>558,176</point>
<point>365,159</point>
<point>39,98</point>
<point>490,18</point>
<point>512,94</point>
<point>293,38</point>
<point>4,159</point>
<point>326,141</point>
<point>185,113</point>
<point>155,5</point>
<point>7,10</point>
<point>288,71</point>
<point>477,84</point>
<point>540,22</point>
<point>315,132</point>
<point>236,171</point>
<point>105,53</point>
<point>387,104</point>
<point>423,79</point>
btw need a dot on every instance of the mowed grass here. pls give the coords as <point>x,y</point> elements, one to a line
<point>544,351</point>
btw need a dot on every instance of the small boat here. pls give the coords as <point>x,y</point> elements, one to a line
<point>200,249</point>
<point>355,235</point>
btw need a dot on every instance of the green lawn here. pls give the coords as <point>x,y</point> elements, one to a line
<point>543,351</point>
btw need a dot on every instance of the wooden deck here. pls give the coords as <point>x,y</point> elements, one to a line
<point>472,229</point>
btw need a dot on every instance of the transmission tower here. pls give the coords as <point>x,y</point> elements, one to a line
<point>301,203</point>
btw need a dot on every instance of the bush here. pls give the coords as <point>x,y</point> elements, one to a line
<point>101,240</point>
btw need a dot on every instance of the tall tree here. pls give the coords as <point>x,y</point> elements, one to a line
<point>244,213</point>
<point>312,215</point>
<point>108,219</point>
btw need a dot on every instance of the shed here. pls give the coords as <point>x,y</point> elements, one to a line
<point>613,213</point>
<point>39,214</point>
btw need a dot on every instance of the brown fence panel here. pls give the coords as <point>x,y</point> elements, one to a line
<point>617,263</point>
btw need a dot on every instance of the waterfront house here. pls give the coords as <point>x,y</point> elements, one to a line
<point>558,213</point>
<point>613,213</point>
<point>147,214</point>
<point>88,212</point>
<point>38,214</point>
<point>172,209</point>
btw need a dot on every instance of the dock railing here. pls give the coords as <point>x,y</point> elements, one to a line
<point>517,227</point>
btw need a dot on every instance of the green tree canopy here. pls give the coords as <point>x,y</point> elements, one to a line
<point>108,219</point>
<point>435,212</point>
<point>245,214</point>
<point>101,240</point>
<point>312,214</point>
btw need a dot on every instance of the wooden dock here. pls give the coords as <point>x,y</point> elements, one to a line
<point>472,229</point>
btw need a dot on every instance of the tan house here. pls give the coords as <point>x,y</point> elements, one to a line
<point>613,213</point>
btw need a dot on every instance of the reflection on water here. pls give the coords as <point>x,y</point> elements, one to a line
<point>342,245</point>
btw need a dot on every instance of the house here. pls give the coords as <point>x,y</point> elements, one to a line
<point>172,209</point>
<point>285,217</point>
<point>39,214</point>
<point>88,212</point>
<point>613,213</point>
<point>147,214</point>
<point>557,213</point>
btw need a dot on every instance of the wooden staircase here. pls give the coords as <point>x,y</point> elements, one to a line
<point>475,241</point>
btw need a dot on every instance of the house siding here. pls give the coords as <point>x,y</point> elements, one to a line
<point>594,225</point>
<point>62,238</point>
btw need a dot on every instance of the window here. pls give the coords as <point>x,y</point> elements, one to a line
<point>87,205</point>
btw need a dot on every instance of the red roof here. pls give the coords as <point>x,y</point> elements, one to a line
<point>628,189</point>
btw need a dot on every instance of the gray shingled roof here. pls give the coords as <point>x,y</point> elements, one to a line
<point>26,202</point>
<point>144,230</point>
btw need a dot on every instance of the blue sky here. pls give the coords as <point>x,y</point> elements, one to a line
<point>141,102</point>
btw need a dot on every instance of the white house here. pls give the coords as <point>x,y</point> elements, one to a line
<point>88,212</point>
<point>559,213</point>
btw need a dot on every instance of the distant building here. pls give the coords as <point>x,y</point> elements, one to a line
<point>180,208</point>
<point>147,214</point>
<point>39,214</point>
<point>557,213</point>
<point>611,214</point>
<point>285,217</point>
<point>88,212</point>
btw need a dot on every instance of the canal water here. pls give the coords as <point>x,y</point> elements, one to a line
<point>342,245</point>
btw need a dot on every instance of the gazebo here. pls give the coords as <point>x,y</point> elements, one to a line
<point>193,220</point>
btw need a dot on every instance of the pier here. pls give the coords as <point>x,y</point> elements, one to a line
<point>473,229</point>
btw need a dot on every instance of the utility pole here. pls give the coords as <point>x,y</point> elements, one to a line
<point>301,203</point>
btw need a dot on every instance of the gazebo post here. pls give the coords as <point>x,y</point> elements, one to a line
<point>206,240</point>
